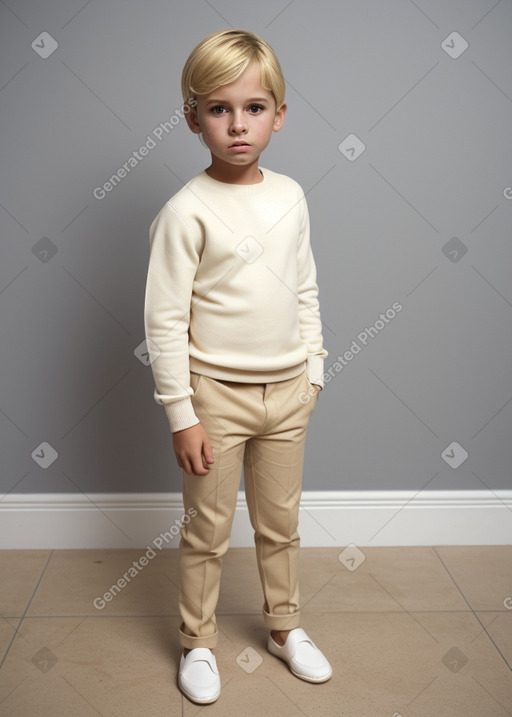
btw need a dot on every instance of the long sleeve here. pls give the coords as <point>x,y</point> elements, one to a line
<point>174,258</point>
<point>310,325</point>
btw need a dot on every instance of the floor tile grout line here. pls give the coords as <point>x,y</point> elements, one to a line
<point>474,613</point>
<point>26,609</point>
<point>73,616</point>
<point>146,616</point>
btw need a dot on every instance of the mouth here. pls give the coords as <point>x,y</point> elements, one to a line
<point>239,147</point>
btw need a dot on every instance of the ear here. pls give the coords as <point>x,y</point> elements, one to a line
<point>279,118</point>
<point>192,119</point>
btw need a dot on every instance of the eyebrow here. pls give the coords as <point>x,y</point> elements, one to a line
<point>252,99</point>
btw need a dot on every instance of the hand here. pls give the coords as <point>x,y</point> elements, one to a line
<point>193,450</point>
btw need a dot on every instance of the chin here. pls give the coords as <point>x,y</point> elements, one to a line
<point>238,160</point>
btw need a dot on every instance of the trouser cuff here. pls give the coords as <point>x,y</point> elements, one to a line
<point>282,622</point>
<point>190,642</point>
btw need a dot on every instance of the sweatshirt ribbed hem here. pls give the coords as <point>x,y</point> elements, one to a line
<point>242,375</point>
<point>181,414</point>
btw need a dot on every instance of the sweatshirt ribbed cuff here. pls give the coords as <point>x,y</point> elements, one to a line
<point>315,369</point>
<point>180,415</point>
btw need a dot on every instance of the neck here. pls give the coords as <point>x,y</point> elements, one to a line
<point>232,174</point>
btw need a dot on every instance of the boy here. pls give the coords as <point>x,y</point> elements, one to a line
<point>232,308</point>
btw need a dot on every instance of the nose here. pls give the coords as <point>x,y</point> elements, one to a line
<point>238,123</point>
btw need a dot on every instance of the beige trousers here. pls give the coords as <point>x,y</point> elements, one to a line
<point>262,426</point>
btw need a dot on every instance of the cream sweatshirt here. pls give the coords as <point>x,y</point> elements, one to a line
<point>231,289</point>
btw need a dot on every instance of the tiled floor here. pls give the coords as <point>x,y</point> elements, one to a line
<point>416,632</point>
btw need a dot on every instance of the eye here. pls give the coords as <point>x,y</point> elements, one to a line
<point>255,109</point>
<point>217,110</point>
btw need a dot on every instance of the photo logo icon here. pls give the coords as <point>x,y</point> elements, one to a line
<point>249,249</point>
<point>351,147</point>
<point>454,455</point>
<point>454,249</point>
<point>44,455</point>
<point>454,659</point>
<point>45,45</point>
<point>147,352</point>
<point>249,660</point>
<point>454,45</point>
<point>44,660</point>
<point>352,557</point>
<point>44,249</point>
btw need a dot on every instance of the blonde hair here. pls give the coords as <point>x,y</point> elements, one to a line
<point>223,56</point>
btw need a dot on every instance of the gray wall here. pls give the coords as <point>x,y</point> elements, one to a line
<point>390,225</point>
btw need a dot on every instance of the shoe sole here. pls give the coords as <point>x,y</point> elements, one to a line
<point>313,680</point>
<point>316,681</point>
<point>197,700</point>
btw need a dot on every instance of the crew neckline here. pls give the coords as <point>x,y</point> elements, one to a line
<point>228,188</point>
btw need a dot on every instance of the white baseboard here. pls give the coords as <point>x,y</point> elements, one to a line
<point>327,519</point>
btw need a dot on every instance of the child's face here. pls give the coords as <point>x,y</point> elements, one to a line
<point>237,121</point>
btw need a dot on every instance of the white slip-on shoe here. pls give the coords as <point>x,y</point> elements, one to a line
<point>198,676</point>
<point>302,655</point>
